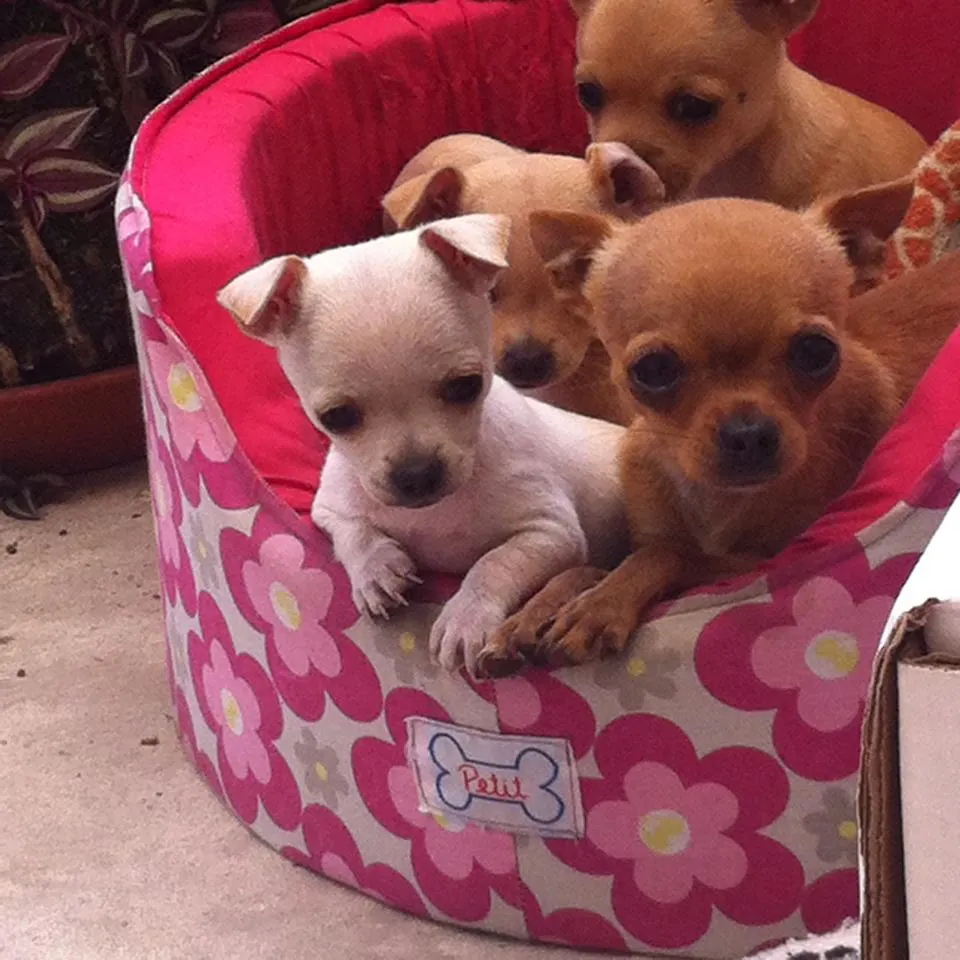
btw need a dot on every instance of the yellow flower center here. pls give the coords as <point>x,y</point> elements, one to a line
<point>285,606</point>
<point>847,830</point>
<point>231,711</point>
<point>832,656</point>
<point>183,388</point>
<point>664,832</point>
<point>636,666</point>
<point>202,548</point>
<point>321,771</point>
<point>408,642</point>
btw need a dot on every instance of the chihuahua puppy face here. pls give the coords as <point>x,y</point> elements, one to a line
<point>394,374</point>
<point>687,84</point>
<point>727,367</point>
<point>539,340</point>
<point>726,322</point>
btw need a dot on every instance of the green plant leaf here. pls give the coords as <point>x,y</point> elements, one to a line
<point>68,181</point>
<point>25,65</point>
<point>176,28</point>
<point>46,130</point>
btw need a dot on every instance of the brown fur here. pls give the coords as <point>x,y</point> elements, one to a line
<point>780,134</point>
<point>727,284</point>
<point>473,174</point>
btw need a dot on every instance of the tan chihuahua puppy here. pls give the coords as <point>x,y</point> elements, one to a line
<point>542,344</point>
<point>435,463</point>
<point>760,387</point>
<point>704,92</point>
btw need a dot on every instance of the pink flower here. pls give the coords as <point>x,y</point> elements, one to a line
<point>281,588</point>
<point>680,835</point>
<point>819,656</point>
<point>294,602</point>
<point>332,851</point>
<point>133,237</point>
<point>456,865</point>
<point>241,707</point>
<point>236,712</point>
<point>673,835</point>
<point>806,656</point>
<point>454,848</point>
<point>541,704</point>
<point>175,567</point>
<point>193,416</point>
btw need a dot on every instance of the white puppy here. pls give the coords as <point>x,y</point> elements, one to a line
<point>435,463</point>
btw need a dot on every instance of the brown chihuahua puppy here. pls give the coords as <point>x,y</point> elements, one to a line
<point>704,92</point>
<point>542,343</point>
<point>760,387</point>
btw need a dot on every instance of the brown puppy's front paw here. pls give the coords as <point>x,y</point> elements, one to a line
<point>517,642</point>
<point>588,628</point>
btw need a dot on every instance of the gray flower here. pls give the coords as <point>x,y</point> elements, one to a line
<point>835,827</point>
<point>639,673</point>
<point>203,553</point>
<point>408,652</point>
<point>178,654</point>
<point>321,769</point>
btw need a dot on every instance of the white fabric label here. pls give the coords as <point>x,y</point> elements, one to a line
<point>516,784</point>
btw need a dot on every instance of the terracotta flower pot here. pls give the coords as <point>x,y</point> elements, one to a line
<point>81,423</point>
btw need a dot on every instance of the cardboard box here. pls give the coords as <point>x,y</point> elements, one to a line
<point>910,769</point>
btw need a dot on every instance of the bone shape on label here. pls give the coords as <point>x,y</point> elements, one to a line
<point>526,782</point>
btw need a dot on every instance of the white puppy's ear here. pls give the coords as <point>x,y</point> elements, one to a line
<point>264,301</point>
<point>473,249</point>
<point>628,186</point>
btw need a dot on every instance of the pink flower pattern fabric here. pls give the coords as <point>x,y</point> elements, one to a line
<point>805,656</point>
<point>681,835</point>
<point>695,787</point>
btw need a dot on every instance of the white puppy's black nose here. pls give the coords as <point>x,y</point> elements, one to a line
<point>418,478</point>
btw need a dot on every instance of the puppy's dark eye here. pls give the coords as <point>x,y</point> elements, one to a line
<point>657,372</point>
<point>813,355</point>
<point>341,419</point>
<point>591,95</point>
<point>462,391</point>
<point>493,296</point>
<point>691,110</point>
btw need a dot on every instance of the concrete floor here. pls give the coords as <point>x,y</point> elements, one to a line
<point>111,847</point>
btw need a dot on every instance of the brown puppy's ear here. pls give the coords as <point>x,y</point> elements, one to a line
<point>864,221</point>
<point>265,300</point>
<point>629,186</point>
<point>473,249</point>
<point>567,244</point>
<point>433,196</point>
<point>777,16</point>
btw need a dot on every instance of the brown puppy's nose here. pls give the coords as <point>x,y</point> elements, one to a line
<point>528,363</point>
<point>748,447</point>
<point>418,478</point>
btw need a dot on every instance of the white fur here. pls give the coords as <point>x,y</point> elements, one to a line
<point>532,490</point>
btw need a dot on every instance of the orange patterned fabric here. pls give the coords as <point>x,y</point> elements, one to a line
<point>932,225</point>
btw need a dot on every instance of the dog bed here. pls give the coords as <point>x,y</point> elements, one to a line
<point>695,796</point>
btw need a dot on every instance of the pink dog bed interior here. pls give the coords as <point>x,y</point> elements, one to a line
<point>312,168</point>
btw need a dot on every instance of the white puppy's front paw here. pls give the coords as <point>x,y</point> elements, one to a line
<point>462,630</point>
<point>381,578</point>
